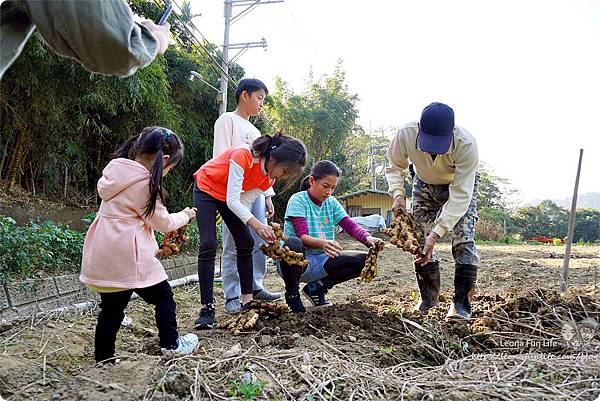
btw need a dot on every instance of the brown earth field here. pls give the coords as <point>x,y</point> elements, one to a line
<point>525,342</point>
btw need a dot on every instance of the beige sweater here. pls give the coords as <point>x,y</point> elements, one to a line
<point>457,168</point>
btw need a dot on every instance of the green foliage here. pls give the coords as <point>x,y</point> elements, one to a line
<point>546,219</point>
<point>88,219</point>
<point>322,116</point>
<point>389,350</point>
<point>494,200</point>
<point>245,390</point>
<point>494,192</point>
<point>587,225</point>
<point>461,346</point>
<point>55,108</point>
<point>40,247</point>
<point>391,310</point>
<point>357,169</point>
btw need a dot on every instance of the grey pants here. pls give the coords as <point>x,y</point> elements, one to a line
<point>229,271</point>
<point>427,202</point>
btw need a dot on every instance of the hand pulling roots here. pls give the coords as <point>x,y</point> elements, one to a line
<point>369,272</point>
<point>276,251</point>
<point>406,233</point>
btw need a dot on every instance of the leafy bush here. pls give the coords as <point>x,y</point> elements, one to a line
<point>52,248</point>
<point>40,247</point>
<point>88,219</point>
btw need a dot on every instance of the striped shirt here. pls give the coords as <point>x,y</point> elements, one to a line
<point>321,220</point>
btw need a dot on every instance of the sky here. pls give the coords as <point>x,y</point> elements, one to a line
<point>522,76</point>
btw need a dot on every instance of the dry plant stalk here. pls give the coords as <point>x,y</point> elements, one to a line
<point>247,321</point>
<point>406,233</point>
<point>172,241</point>
<point>369,272</point>
<point>276,251</point>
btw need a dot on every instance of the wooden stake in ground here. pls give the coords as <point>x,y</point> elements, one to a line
<point>369,272</point>
<point>172,241</point>
<point>564,277</point>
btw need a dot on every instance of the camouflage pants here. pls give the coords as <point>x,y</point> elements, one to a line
<point>427,202</point>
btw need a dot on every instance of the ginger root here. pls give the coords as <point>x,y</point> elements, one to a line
<point>171,244</point>
<point>369,272</point>
<point>406,233</point>
<point>247,321</point>
<point>276,251</point>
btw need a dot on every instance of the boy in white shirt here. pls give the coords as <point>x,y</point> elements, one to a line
<point>234,129</point>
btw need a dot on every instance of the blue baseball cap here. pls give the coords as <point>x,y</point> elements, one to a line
<point>436,128</point>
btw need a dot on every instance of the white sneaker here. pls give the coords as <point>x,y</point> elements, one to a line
<point>185,346</point>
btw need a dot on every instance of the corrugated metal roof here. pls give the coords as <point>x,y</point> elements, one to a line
<point>362,192</point>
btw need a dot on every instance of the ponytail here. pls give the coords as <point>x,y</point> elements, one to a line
<point>305,183</point>
<point>156,141</point>
<point>125,149</point>
<point>286,150</point>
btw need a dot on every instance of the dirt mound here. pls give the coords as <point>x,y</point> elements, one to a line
<point>511,322</point>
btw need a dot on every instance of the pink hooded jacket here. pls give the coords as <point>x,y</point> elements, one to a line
<point>119,247</point>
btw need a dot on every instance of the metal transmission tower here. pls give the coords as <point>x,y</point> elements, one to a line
<point>242,47</point>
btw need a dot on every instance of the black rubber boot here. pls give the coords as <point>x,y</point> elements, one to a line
<point>465,277</point>
<point>428,279</point>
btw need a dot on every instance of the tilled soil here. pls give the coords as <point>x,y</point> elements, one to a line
<point>526,341</point>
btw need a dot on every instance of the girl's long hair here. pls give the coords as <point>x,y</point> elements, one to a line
<point>154,140</point>
<point>321,169</point>
<point>287,151</point>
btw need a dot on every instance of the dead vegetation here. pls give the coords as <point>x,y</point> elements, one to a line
<point>526,341</point>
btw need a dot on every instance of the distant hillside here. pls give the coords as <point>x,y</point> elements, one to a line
<point>589,200</point>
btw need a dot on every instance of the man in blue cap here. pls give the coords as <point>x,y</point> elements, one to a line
<point>444,161</point>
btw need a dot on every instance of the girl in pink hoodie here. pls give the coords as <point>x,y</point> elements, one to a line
<point>119,247</point>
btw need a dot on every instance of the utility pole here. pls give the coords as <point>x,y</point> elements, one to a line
<point>230,19</point>
<point>373,172</point>
<point>373,149</point>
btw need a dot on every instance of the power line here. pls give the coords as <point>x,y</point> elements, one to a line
<point>232,83</point>
<point>230,79</point>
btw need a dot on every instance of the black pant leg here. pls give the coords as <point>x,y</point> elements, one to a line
<point>290,273</point>
<point>112,307</point>
<point>161,296</point>
<point>244,246</point>
<point>344,267</point>
<point>207,247</point>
